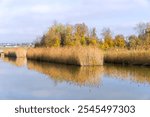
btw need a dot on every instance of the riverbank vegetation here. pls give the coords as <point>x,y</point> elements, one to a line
<point>82,56</point>
<point>135,50</point>
<point>15,52</point>
<point>60,35</point>
<point>129,57</point>
<point>68,44</point>
<point>117,49</point>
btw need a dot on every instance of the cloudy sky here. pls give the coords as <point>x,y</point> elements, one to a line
<point>25,20</point>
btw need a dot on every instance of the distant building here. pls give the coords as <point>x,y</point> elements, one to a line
<point>7,45</point>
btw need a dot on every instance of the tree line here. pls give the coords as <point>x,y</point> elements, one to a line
<point>59,35</point>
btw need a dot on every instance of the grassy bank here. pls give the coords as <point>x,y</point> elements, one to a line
<point>129,57</point>
<point>15,52</point>
<point>82,56</point>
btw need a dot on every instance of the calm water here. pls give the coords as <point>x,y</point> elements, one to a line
<point>22,79</point>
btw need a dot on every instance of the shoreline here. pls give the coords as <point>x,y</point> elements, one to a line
<point>82,56</point>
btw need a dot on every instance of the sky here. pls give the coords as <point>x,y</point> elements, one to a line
<point>25,20</point>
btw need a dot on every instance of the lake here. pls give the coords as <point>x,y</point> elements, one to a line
<point>22,79</point>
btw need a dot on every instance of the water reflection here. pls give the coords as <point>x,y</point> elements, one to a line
<point>135,73</point>
<point>19,62</point>
<point>73,82</point>
<point>1,55</point>
<point>90,76</point>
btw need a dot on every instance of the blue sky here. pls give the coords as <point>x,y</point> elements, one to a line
<point>25,20</point>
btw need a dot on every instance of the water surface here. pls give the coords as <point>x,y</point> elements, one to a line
<point>22,79</point>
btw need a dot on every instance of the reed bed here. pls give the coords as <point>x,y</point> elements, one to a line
<point>90,76</point>
<point>82,56</point>
<point>130,57</point>
<point>133,73</point>
<point>15,52</point>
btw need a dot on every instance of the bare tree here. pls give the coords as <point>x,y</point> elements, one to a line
<point>140,28</point>
<point>106,32</point>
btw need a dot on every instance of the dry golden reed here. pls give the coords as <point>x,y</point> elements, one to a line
<point>81,56</point>
<point>15,52</point>
<point>90,75</point>
<point>130,57</point>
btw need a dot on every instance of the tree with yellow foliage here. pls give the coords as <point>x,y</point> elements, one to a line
<point>108,40</point>
<point>119,41</point>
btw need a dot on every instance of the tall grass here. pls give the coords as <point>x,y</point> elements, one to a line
<point>15,52</point>
<point>72,74</point>
<point>81,56</point>
<point>130,57</point>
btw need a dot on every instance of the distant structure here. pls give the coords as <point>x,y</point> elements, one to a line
<point>7,45</point>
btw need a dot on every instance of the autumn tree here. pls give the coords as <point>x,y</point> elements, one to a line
<point>140,28</point>
<point>143,30</point>
<point>81,31</point>
<point>52,37</point>
<point>93,38</point>
<point>108,40</point>
<point>147,34</point>
<point>69,35</point>
<point>134,42</point>
<point>119,41</point>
